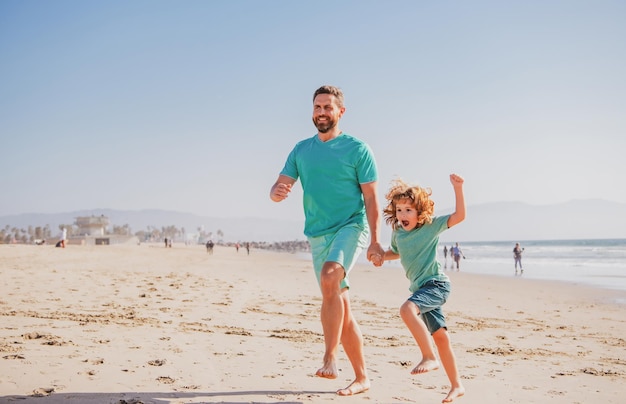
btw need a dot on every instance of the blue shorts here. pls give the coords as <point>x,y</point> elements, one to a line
<point>342,247</point>
<point>429,299</point>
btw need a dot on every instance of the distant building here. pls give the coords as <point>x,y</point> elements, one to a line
<point>92,230</point>
<point>92,226</point>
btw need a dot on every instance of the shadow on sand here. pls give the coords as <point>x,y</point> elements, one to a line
<point>166,397</point>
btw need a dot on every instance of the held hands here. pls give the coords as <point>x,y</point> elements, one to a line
<point>375,254</point>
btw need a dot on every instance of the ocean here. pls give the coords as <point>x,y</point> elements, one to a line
<point>593,262</point>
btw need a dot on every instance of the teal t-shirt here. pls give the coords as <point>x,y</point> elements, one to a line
<point>418,252</point>
<point>331,173</point>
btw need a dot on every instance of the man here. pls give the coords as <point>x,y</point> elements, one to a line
<point>517,256</point>
<point>339,177</point>
<point>457,254</point>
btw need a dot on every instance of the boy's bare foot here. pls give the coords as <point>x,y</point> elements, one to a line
<point>354,388</point>
<point>328,371</point>
<point>426,365</point>
<point>454,393</point>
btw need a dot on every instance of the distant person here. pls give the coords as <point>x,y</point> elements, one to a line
<point>339,177</point>
<point>209,247</point>
<point>248,247</point>
<point>62,238</point>
<point>456,254</point>
<point>517,256</point>
<point>169,242</point>
<point>415,240</point>
<point>445,256</point>
<point>237,247</point>
<point>166,242</point>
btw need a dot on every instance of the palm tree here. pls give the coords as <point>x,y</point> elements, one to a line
<point>47,233</point>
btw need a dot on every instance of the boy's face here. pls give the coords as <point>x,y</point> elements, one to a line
<point>406,214</point>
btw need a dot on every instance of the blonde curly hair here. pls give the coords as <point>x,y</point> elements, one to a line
<point>417,196</point>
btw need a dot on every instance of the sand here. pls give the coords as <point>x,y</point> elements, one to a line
<point>146,324</point>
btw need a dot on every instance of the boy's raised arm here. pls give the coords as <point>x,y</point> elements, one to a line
<point>459,214</point>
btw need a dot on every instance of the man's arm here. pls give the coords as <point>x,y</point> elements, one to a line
<point>281,188</point>
<point>375,251</point>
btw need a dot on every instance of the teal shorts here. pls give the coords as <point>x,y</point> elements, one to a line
<point>429,298</point>
<point>342,247</point>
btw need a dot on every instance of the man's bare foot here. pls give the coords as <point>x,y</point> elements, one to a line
<point>354,388</point>
<point>454,393</point>
<point>426,365</point>
<point>328,371</point>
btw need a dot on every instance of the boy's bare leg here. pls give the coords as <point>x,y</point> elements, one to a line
<point>332,315</point>
<point>352,341</point>
<point>410,315</point>
<point>444,346</point>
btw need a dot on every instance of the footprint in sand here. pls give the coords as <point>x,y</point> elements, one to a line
<point>43,391</point>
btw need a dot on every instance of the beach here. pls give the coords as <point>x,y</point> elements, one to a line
<point>148,324</point>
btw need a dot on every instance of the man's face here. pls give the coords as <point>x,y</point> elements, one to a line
<point>326,113</point>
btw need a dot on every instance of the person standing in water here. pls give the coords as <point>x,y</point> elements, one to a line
<point>517,257</point>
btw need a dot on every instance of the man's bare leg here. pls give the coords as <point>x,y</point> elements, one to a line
<point>410,315</point>
<point>352,341</point>
<point>444,346</point>
<point>332,315</point>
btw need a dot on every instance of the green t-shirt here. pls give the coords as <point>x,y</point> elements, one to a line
<point>418,252</point>
<point>331,173</point>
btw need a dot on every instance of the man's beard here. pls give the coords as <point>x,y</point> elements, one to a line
<point>326,126</point>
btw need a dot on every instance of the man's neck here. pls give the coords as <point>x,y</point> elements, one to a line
<point>330,135</point>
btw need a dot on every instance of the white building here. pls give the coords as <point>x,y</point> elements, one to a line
<point>92,226</point>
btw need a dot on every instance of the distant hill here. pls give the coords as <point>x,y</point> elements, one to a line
<point>506,221</point>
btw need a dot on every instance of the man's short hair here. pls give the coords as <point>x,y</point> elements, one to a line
<point>332,90</point>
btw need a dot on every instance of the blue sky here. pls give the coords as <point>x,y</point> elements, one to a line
<point>193,106</point>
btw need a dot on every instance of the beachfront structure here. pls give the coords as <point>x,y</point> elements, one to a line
<point>92,225</point>
<point>92,230</point>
